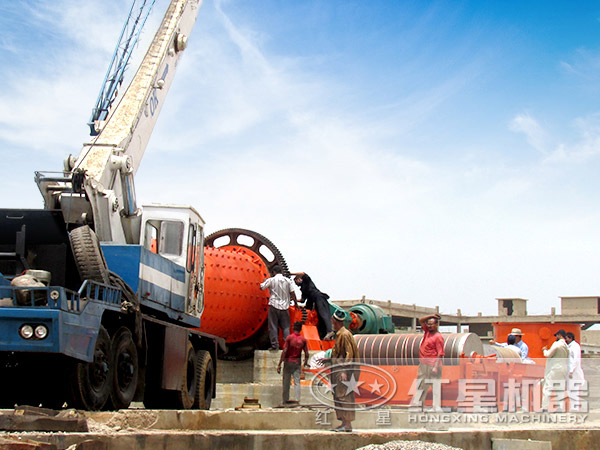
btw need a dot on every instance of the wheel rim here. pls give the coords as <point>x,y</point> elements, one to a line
<point>125,370</point>
<point>98,371</point>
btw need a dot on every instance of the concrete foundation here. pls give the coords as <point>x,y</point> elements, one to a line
<point>254,378</point>
<point>520,444</point>
<point>320,419</point>
<point>310,429</point>
<point>301,440</point>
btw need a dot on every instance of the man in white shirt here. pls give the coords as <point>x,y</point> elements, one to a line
<point>576,378</point>
<point>555,376</point>
<point>281,293</point>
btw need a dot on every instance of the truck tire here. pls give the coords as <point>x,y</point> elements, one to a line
<point>88,255</point>
<point>186,395</point>
<point>126,369</point>
<point>90,384</point>
<point>205,373</point>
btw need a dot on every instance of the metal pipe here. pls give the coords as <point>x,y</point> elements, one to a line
<point>403,349</point>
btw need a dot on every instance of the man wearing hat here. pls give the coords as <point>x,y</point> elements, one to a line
<point>516,332</point>
<point>344,375</point>
<point>555,376</point>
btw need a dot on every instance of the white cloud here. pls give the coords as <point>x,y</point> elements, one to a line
<point>529,126</point>
<point>585,146</point>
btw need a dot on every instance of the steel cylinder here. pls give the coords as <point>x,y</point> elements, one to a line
<point>403,349</point>
<point>234,306</point>
<point>503,354</point>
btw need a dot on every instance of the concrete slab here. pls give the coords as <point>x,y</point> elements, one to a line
<point>302,440</point>
<point>320,419</point>
<point>520,444</point>
<point>265,366</point>
<point>231,395</point>
<point>235,371</point>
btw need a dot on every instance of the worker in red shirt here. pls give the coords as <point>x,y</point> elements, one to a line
<point>291,356</point>
<point>431,353</point>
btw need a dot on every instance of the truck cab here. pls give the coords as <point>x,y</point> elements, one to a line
<point>166,269</point>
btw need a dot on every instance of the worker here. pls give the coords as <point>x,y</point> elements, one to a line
<point>344,373</point>
<point>291,357</point>
<point>576,378</point>
<point>556,367</point>
<point>516,332</point>
<point>511,345</point>
<point>431,353</point>
<point>315,299</point>
<point>281,294</point>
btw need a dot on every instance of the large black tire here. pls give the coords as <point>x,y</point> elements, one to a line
<point>205,373</point>
<point>90,384</point>
<point>88,255</point>
<point>126,369</point>
<point>186,395</point>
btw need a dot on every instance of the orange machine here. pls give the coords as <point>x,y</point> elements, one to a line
<point>536,335</point>
<point>309,330</point>
<point>235,308</point>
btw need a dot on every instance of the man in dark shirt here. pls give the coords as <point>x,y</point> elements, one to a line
<point>315,299</point>
<point>291,355</point>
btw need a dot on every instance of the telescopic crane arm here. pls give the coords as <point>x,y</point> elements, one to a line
<point>97,187</point>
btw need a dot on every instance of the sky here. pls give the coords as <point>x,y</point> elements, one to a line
<point>440,153</point>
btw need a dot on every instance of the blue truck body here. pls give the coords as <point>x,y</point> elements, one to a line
<point>143,324</point>
<point>72,318</point>
<point>159,282</point>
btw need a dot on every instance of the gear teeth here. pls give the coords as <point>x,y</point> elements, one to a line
<point>259,240</point>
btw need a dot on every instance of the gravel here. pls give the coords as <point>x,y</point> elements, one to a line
<point>409,445</point>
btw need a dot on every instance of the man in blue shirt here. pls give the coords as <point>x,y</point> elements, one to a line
<point>516,332</point>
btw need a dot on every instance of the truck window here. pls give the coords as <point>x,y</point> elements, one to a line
<point>171,238</point>
<point>150,237</point>
<point>191,253</point>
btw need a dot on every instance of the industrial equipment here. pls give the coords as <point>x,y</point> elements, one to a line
<point>244,258</point>
<point>474,378</point>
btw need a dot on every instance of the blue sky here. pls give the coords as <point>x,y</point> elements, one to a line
<point>438,153</point>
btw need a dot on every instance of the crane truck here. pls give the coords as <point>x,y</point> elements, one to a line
<point>101,299</point>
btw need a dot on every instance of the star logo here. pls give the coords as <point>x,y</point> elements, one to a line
<point>376,387</point>
<point>352,385</point>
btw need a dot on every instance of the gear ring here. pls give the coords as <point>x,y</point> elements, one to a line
<point>258,240</point>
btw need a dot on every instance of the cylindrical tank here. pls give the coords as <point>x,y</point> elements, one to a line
<point>403,349</point>
<point>234,306</point>
<point>503,354</point>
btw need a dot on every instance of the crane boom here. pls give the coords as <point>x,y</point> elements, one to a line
<point>116,70</point>
<point>97,187</point>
